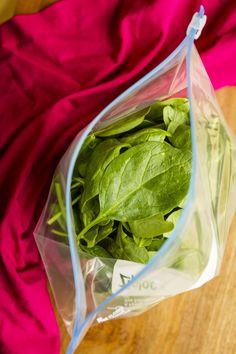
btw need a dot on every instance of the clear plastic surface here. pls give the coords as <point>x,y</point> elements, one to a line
<point>89,289</point>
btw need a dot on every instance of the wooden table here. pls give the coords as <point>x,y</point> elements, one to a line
<point>202,321</point>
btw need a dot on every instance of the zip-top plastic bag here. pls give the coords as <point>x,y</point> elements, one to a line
<point>94,287</point>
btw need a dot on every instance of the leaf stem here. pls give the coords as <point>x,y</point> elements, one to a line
<point>54,218</point>
<point>59,233</point>
<point>96,221</point>
<point>60,199</point>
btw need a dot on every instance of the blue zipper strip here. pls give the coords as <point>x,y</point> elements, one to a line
<point>80,324</point>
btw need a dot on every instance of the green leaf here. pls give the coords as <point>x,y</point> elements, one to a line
<point>182,203</point>
<point>142,242</point>
<point>156,244</point>
<point>173,218</point>
<point>126,227</point>
<point>177,123</point>
<point>143,135</point>
<point>124,124</point>
<point>151,226</point>
<point>145,180</point>
<point>123,247</point>
<point>90,210</point>
<point>156,111</point>
<point>110,245</point>
<point>120,236</point>
<point>98,232</point>
<point>181,137</point>
<point>128,249</point>
<point>102,155</point>
<point>105,230</point>
<point>146,124</point>
<point>90,236</point>
<point>176,102</point>
<point>173,118</point>
<point>131,252</point>
<point>96,251</point>
<point>129,183</point>
<point>151,254</point>
<point>86,150</point>
<point>184,107</point>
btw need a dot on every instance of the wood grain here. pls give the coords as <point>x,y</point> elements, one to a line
<point>202,321</point>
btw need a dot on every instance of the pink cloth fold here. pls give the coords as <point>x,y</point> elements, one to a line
<point>59,68</point>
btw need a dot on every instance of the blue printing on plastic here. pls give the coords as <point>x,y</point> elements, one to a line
<point>80,327</point>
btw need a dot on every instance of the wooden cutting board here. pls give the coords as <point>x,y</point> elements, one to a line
<point>202,321</point>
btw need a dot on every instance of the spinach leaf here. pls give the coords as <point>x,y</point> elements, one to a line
<point>126,227</point>
<point>102,155</point>
<point>151,226</point>
<point>145,124</point>
<point>142,242</point>
<point>177,123</point>
<point>131,252</point>
<point>128,249</point>
<point>110,245</point>
<point>143,135</point>
<point>182,203</point>
<point>86,151</point>
<point>105,230</point>
<point>176,102</point>
<point>174,118</point>
<point>147,179</point>
<point>151,254</point>
<point>90,210</point>
<point>90,236</point>
<point>156,111</point>
<point>184,106</point>
<point>123,125</point>
<point>123,247</point>
<point>173,218</point>
<point>181,137</point>
<point>156,244</point>
<point>97,233</point>
<point>128,181</point>
<point>96,251</point>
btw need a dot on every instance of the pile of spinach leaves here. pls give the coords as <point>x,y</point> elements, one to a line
<point>130,182</point>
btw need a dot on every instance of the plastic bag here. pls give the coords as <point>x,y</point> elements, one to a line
<point>87,288</point>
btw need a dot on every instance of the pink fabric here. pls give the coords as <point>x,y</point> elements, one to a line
<point>58,69</point>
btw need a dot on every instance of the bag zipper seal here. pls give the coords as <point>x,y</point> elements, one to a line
<point>197,23</point>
